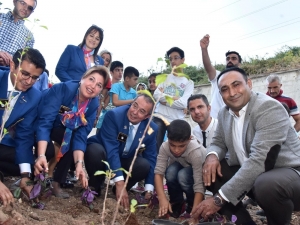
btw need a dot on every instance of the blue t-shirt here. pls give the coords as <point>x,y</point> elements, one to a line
<point>120,90</point>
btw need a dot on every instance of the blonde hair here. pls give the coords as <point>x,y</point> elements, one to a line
<point>102,70</point>
<point>106,52</point>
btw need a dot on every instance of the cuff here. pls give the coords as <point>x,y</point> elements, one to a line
<point>25,168</point>
<point>149,187</point>
<point>119,178</point>
<point>223,196</point>
<point>210,153</point>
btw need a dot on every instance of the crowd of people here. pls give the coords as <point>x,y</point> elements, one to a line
<point>243,144</point>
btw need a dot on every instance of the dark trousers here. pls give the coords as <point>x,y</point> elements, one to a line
<point>65,163</point>
<point>161,131</point>
<point>277,192</point>
<point>180,180</point>
<point>7,160</point>
<point>96,152</point>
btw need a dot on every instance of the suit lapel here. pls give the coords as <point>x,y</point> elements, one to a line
<point>81,56</point>
<point>18,109</point>
<point>138,136</point>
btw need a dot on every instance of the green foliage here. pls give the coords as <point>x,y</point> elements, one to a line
<point>146,92</point>
<point>109,173</point>
<point>160,78</point>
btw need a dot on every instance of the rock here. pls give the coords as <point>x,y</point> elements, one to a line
<point>35,216</point>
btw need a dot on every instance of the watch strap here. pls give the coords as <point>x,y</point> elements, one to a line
<point>26,175</point>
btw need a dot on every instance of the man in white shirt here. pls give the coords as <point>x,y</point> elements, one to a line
<point>263,155</point>
<point>232,59</point>
<point>200,109</point>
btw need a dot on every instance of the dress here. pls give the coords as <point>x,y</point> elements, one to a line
<point>14,35</point>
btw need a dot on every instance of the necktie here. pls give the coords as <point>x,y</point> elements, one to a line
<point>14,93</point>
<point>129,140</point>
<point>204,138</point>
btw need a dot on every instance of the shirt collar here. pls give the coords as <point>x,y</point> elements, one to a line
<point>10,85</point>
<point>135,126</point>
<point>210,126</point>
<point>242,111</point>
<point>12,18</point>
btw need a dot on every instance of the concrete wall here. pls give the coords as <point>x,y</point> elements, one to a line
<point>290,85</point>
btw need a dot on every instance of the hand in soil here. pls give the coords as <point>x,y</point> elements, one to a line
<point>125,200</point>
<point>205,209</point>
<point>5,195</point>
<point>25,186</point>
<point>164,207</point>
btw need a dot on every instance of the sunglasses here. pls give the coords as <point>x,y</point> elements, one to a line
<point>29,7</point>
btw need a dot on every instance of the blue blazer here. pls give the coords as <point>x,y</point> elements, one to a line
<point>71,65</point>
<point>116,121</point>
<point>21,119</point>
<point>48,111</point>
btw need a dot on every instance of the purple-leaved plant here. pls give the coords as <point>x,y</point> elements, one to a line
<point>88,197</point>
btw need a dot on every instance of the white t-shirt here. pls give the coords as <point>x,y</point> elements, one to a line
<point>216,99</point>
<point>174,86</point>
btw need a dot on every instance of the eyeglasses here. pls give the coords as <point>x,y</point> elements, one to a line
<point>26,76</point>
<point>175,58</point>
<point>140,111</point>
<point>29,7</point>
<point>232,58</point>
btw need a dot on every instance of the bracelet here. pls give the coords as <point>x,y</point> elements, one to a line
<point>41,156</point>
<point>79,161</point>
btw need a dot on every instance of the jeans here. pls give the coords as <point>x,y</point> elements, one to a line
<point>180,180</point>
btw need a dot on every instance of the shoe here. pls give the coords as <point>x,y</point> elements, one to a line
<point>260,213</point>
<point>185,215</point>
<point>165,187</point>
<point>249,201</point>
<point>177,208</point>
<point>58,192</point>
<point>67,184</point>
<point>71,177</point>
<point>137,188</point>
<point>49,181</point>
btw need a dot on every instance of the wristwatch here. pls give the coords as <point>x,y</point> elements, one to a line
<point>25,175</point>
<point>218,200</point>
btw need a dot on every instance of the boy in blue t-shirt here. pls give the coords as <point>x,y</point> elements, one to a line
<point>123,93</point>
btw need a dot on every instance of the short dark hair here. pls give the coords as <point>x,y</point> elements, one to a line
<point>239,70</point>
<point>130,72</point>
<point>92,28</point>
<point>198,96</point>
<point>176,49</point>
<point>179,130</point>
<point>152,75</point>
<point>30,55</point>
<point>148,99</point>
<point>234,52</point>
<point>115,64</point>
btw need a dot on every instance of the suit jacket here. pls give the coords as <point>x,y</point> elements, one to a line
<point>116,121</point>
<point>21,119</point>
<point>53,98</point>
<point>71,65</point>
<point>268,138</point>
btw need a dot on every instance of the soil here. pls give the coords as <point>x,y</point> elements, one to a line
<point>72,212</point>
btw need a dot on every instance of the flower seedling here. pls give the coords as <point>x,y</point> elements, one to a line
<point>88,197</point>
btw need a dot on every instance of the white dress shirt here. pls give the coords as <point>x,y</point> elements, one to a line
<point>197,132</point>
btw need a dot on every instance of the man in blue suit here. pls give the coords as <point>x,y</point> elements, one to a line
<point>16,154</point>
<point>116,143</point>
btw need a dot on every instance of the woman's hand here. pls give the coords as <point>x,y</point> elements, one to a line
<point>81,175</point>
<point>40,165</point>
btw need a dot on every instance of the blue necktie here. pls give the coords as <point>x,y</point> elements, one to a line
<point>14,93</point>
<point>129,140</point>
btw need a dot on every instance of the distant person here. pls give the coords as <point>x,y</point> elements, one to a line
<point>274,90</point>
<point>16,155</point>
<point>152,83</point>
<point>116,143</point>
<point>180,162</point>
<point>14,34</point>
<point>123,93</point>
<point>141,86</point>
<point>66,116</point>
<point>75,60</point>
<point>106,56</point>
<point>178,88</point>
<point>232,59</point>
<point>200,109</point>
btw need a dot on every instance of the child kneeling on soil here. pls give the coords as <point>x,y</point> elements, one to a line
<point>180,160</point>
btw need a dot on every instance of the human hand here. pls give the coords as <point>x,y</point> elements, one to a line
<point>40,165</point>
<point>5,58</point>
<point>164,207</point>
<point>210,168</point>
<point>25,186</point>
<point>205,209</point>
<point>193,221</point>
<point>125,199</point>
<point>204,42</point>
<point>5,195</point>
<point>81,175</point>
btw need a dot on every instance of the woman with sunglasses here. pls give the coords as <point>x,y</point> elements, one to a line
<point>75,60</point>
<point>66,115</point>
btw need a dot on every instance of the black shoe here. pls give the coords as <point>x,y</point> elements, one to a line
<point>177,208</point>
<point>260,213</point>
<point>249,201</point>
<point>67,184</point>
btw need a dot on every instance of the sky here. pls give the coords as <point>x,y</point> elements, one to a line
<point>138,32</point>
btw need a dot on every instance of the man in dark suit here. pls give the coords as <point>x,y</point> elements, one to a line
<point>116,143</point>
<point>263,158</point>
<point>16,83</point>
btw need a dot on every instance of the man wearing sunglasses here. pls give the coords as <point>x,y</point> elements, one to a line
<point>16,87</point>
<point>233,59</point>
<point>13,33</point>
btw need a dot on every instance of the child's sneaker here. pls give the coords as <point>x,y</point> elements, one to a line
<point>178,209</point>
